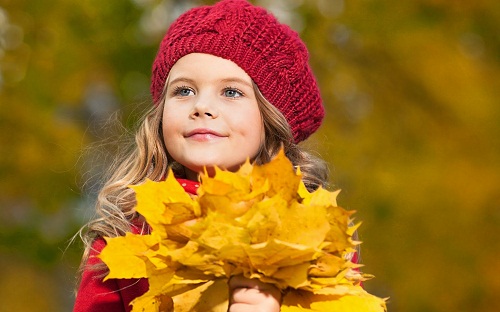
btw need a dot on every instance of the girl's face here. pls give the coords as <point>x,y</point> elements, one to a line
<point>211,116</point>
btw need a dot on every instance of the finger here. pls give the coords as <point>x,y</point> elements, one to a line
<point>251,291</point>
<point>251,299</point>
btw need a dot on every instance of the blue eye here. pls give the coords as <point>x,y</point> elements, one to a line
<point>232,93</point>
<point>183,91</point>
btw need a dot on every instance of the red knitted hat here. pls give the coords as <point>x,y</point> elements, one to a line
<point>271,53</point>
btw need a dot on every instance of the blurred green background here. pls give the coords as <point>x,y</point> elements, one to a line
<point>411,90</point>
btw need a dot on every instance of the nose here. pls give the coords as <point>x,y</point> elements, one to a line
<point>203,108</point>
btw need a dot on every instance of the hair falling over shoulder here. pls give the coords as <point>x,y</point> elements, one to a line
<point>146,157</point>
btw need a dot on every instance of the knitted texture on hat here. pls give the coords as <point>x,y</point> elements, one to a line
<point>272,54</point>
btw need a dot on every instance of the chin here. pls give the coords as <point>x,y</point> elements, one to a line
<point>210,167</point>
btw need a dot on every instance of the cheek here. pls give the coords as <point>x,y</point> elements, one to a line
<point>165,126</point>
<point>253,128</point>
<point>169,127</point>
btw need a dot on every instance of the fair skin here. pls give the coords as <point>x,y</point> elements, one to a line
<point>211,118</point>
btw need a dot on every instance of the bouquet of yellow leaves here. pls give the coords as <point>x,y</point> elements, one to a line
<point>260,222</point>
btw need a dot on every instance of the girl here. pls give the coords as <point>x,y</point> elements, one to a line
<point>229,83</point>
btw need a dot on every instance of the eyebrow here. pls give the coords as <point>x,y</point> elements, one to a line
<point>180,79</point>
<point>237,80</point>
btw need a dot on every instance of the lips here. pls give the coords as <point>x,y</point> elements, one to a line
<point>203,134</point>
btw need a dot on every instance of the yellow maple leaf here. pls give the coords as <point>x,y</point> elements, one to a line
<point>211,296</point>
<point>165,205</point>
<point>127,255</point>
<point>261,222</point>
<point>280,175</point>
<point>302,301</point>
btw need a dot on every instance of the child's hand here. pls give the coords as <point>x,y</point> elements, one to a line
<point>250,295</point>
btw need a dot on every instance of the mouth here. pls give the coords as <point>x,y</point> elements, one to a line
<point>204,134</point>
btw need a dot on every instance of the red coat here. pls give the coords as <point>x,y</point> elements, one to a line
<point>113,295</point>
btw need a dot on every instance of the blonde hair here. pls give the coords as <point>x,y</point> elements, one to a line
<point>147,157</point>
<point>279,135</point>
